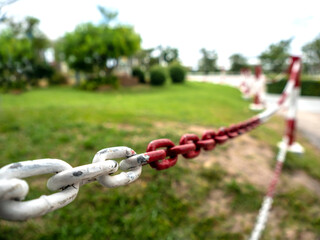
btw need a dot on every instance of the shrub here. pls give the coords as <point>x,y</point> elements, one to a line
<point>308,87</point>
<point>7,84</point>
<point>57,79</point>
<point>137,72</point>
<point>177,73</point>
<point>93,84</point>
<point>157,76</point>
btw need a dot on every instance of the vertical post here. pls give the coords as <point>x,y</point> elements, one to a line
<point>245,84</point>
<point>291,119</point>
<point>257,104</point>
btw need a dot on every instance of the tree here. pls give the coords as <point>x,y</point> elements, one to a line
<point>208,62</point>
<point>22,47</point>
<point>107,15</point>
<point>274,58</point>
<point>311,52</point>
<point>237,62</point>
<point>170,54</point>
<point>94,48</point>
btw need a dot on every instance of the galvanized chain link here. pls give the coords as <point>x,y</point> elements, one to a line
<point>66,179</point>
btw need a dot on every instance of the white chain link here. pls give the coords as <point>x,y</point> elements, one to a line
<point>66,179</point>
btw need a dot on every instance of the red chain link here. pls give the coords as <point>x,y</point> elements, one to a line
<point>190,145</point>
<point>166,162</point>
<point>187,139</point>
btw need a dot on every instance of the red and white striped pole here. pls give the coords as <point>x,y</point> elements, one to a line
<point>245,85</point>
<point>291,122</point>
<point>258,104</point>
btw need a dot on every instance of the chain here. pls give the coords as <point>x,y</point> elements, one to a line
<point>160,154</point>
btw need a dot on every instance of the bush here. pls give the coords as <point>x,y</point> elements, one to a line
<point>7,84</point>
<point>93,84</point>
<point>308,87</point>
<point>177,73</point>
<point>137,72</point>
<point>58,79</point>
<point>157,76</point>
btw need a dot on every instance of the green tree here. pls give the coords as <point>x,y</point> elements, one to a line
<point>208,62</point>
<point>170,55</point>
<point>274,58</point>
<point>237,62</point>
<point>94,48</point>
<point>311,52</point>
<point>22,47</point>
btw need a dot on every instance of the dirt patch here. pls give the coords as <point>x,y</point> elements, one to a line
<point>216,204</point>
<point>301,178</point>
<point>244,159</point>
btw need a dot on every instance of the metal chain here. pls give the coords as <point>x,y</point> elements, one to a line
<point>160,154</point>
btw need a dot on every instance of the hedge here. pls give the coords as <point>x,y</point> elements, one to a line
<point>308,87</point>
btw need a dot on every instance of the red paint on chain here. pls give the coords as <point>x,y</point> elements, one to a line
<point>156,155</point>
<point>181,149</point>
<point>209,135</point>
<point>232,131</point>
<point>165,163</point>
<point>241,128</point>
<point>275,179</point>
<point>190,144</point>
<point>206,144</point>
<point>190,138</point>
<point>221,136</point>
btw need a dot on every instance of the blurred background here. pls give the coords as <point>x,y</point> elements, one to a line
<point>80,76</point>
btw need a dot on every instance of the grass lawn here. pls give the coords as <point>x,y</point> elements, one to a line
<point>178,203</point>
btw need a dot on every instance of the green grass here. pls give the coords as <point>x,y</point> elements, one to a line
<point>73,125</point>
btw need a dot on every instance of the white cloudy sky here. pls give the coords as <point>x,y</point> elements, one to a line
<point>229,26</point>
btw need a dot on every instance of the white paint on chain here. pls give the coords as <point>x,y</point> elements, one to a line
<point>281,157</point>
<point>123,178</point>
<point>20,211</point>
<point>267,203</point>
<point>134,161</point>
<point>15,189</point>
<point>82,174</point>
<point>17,211</point>
<point>269,112</point>
<point>262,218</point>
<point>34,167</point>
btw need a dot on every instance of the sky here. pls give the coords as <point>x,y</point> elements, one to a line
<point>247,27</point>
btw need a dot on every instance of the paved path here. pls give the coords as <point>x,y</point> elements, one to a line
<point>308,107</point>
